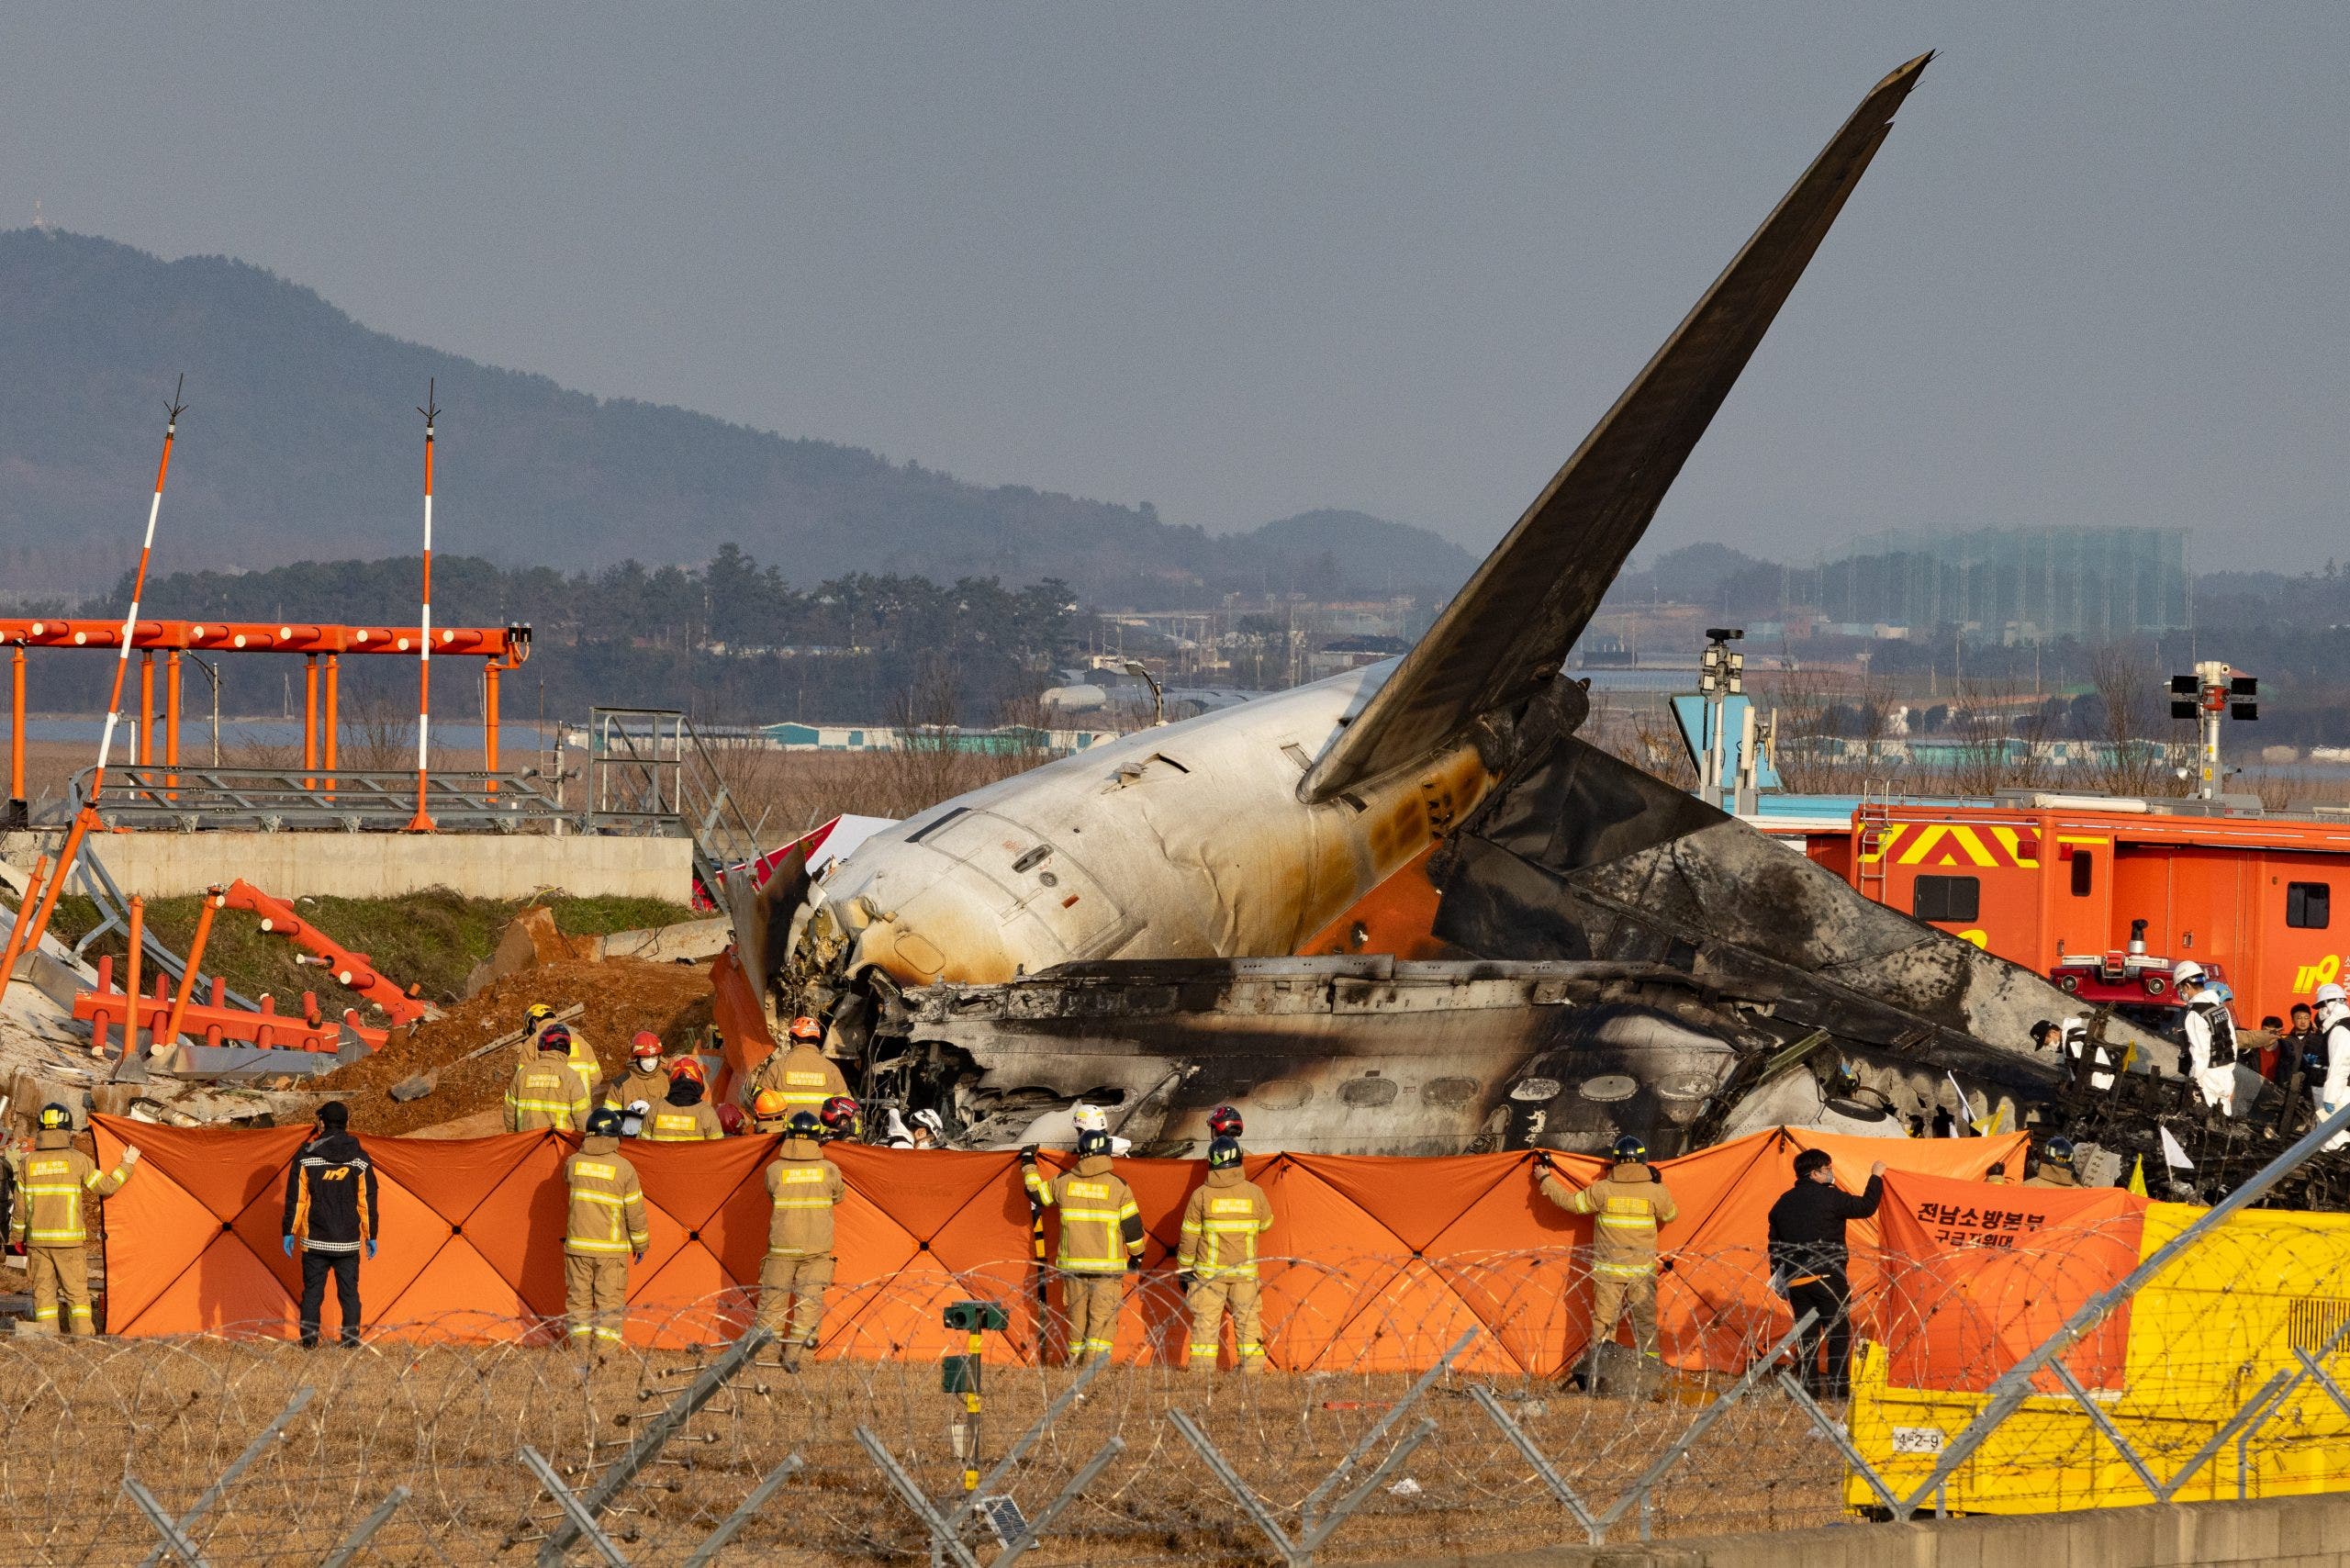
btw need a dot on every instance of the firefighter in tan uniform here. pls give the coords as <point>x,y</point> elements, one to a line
<point>605,1231</point>
<point>804,1075</point>
<point>539,1019</point>
<point>645,1081</point>
<point>46,1218</point>
<point>770,1114</point>
<point>1628,1205</point>
<point>804,1187</point>
<point>1217,1259</point>
<point>545,1091</point>
<point>1101,1238</point>
<point>683,1114</point>
<point>2055,1165</point>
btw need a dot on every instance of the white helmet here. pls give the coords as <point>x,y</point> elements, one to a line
<point>2332,994</point>
<point>2187,973</point>
<point>1089,1118</point>
<point>928,1119</point>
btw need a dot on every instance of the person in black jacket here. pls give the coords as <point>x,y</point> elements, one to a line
<point>1807,1247</point>
<point>331,1215</point>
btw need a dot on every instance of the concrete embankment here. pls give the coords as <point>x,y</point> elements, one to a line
<point>2299,1532</point>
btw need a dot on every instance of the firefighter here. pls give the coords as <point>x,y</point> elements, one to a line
<point>1101,1238</point>
<point>684,1116</point>
<point>605,1232</point>
<point>47,1219</point>
<point>644,1081</point>
<point>1216,1263</point>
<point>1808,1253</point>
<point>1998,1175</point>
<point>2056,1164</point>
<point>2046,1035</point>
<point>1627,1205</point>
<point>2333,1022</point>
<point>770,1114</point>
<point>804,1074</point>
<point>539,1018</point>
<point>1224,1122</point>
<point>840,1118</point>
<point>331,1216</point>
<point>804,1187</point>
<point>2211,1038</point>
<point>546,1091</point>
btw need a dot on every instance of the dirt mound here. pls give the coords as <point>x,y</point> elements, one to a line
<point>620,995</point>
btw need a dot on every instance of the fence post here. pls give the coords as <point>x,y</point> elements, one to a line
<point>1015,1550</point>
<point>341,1555</point>
<point>2269,1393</point>
<point>237,1467</point>
<point>656,1434</point>
<point>1705,1418</point>
<point>943,1539</point>
<point>2015,1384</point>
<point>583,1523</point>
<point>1534,1456</point>
<point>176,1541</point>
<point>1836,1434</point>
<point>1248,1500</point>
<point>1395,1412</point>
<point>716,1541</point>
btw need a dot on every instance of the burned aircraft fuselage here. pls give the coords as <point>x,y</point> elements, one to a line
<point>1601,953</point>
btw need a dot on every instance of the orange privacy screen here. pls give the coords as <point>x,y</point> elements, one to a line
<point>1372,1263</point>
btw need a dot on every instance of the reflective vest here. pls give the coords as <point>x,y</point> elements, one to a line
<point>1101,1227</point>
<point>50,1184</point>
<point>546,1093</point>
<point>607,1205</point>
<point>803,1186</point>
<point>1221,1225</point>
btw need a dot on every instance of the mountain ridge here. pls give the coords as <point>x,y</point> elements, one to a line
<point>297,446</point>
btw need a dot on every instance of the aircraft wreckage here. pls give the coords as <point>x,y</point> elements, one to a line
<point>1405,910</point>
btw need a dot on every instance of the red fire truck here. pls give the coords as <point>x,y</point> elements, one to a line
<point>2057,882</point>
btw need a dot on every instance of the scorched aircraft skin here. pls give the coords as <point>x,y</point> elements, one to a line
<point>1602,954</point>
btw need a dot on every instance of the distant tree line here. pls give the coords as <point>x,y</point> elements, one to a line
<point>731,642</point>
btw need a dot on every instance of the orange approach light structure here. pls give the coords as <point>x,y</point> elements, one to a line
<point>499,648</point>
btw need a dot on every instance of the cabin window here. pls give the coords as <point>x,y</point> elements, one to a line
<point>2309,905</point>
<point>1947,898</point>
<point>2084,872</point>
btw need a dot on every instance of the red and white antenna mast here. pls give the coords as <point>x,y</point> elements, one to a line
<point>422,823</point>
<point>29,940</point>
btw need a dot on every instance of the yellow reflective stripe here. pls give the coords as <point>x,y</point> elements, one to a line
<point>588,1244</point>
<point>53,1237</point>
<point>68,1190</point>
<point>1625,1271</point>
<point>614,1199</point>
<point>1100,1217</point>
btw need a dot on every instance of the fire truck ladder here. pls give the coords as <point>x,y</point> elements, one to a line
<point>1869,846</point>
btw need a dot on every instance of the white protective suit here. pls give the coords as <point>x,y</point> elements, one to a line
<point>2334,1019</point>
<point>2211,1051</point>
<point>2077,1040</point>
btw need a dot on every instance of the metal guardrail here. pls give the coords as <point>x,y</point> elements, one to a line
<point>649,769</point>
<point>353,800</point>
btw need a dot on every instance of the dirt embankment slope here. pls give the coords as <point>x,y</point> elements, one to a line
<point>620,995</point>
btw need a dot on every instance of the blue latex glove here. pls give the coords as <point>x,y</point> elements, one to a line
<point>288,1244</point>
<point>370,1247</point>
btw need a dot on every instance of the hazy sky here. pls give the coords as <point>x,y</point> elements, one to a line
<point>1241,261</point>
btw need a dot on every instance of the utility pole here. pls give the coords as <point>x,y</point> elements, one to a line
<point>422,822</point>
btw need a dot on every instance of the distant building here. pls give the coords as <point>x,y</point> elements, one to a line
<point>1003,740</point>
<point>2015,584</point>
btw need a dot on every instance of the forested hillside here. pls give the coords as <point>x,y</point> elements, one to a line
<point>301,441</point>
